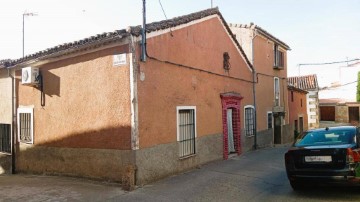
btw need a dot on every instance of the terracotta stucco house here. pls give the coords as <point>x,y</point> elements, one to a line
<point>102,111</point>
<point>310,84</point>
<point>297,110</point>
<point>268,55</point>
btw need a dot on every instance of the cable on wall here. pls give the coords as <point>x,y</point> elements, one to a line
<point>162,8</point>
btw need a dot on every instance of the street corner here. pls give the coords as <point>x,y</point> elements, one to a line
<point>45,188</point>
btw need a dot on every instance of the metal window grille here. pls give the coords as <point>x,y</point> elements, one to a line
<point>5,138</point>
<point>186,132</point>
<point>25,128</point>
<point>249,121</point>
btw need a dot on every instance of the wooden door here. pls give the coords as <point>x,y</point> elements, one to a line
<point>353,114</point>
<point>327,113</point>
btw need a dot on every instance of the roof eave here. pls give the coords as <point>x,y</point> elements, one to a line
<point>70,52</point>
<point>290,87</point>
<point>276,40</point>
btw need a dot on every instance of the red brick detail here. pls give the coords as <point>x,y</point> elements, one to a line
<point>231,101</point>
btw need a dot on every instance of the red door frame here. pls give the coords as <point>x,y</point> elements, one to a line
<point>231,101</point>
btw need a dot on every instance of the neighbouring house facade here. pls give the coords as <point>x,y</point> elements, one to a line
<point>339,111</point>
<point>268,56</point>
<point>5,119</point>
<point>335,81</point>
<point>297,110</point>
<point>102,110</point>
<point>309,83</point>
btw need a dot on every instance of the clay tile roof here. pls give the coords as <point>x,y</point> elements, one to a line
<point>263,32</point>
<point>308,82</point>
<point>165,24</point>
<point>115,35</point>
<point>4,63</point>
<point>118,34</point>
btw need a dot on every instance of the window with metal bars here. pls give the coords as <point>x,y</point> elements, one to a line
<point>186,130</point>
<point>5,138</point>
<point>249,120</point>
<point>25,125</point>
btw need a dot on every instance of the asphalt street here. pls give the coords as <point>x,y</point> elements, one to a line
<point>254,176</point>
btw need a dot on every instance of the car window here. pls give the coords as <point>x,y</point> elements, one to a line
<point>326,137</point>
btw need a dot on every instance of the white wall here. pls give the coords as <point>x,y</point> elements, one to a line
<point>5,97</point>
<point>340,80</point>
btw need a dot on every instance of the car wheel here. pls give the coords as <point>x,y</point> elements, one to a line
<point>296,185</point>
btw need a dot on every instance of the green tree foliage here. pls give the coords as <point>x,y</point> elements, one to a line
<point>358,88</point>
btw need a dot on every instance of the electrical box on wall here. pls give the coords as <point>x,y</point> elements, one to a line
<point>30,76</point>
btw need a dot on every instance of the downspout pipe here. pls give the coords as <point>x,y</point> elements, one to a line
<point>254,90</point>
<point>13,128</point>
<point>143,34</point>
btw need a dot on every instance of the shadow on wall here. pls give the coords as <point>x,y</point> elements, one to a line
<point>102,138</point>
<point>51,83</point>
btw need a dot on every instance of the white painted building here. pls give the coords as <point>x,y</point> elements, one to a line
<point>335,81</point>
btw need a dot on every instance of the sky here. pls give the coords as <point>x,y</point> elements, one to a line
<point>316,30</point>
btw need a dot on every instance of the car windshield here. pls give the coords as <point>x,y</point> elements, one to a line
<point>326,137</point>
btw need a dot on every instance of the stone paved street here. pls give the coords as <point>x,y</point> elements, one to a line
<point>254,176</point>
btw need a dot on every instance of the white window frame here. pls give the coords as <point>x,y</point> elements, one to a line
<point>275,93</point>
<point>178,108</point>
<point>29,110</point>
<point>267,119</point>
<point>252,107</point>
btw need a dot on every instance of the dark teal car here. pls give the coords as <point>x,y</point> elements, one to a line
<point>326,155</point>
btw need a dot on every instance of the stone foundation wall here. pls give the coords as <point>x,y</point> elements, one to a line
<point>5,164</point>
<point>264,139</point>
<point>163,160</point>
<point>89,163</point>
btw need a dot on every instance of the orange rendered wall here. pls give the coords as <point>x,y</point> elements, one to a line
<point>263,63</point>
<point>295,108</point>
<point>87,102</point>
<point>165,86</point>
